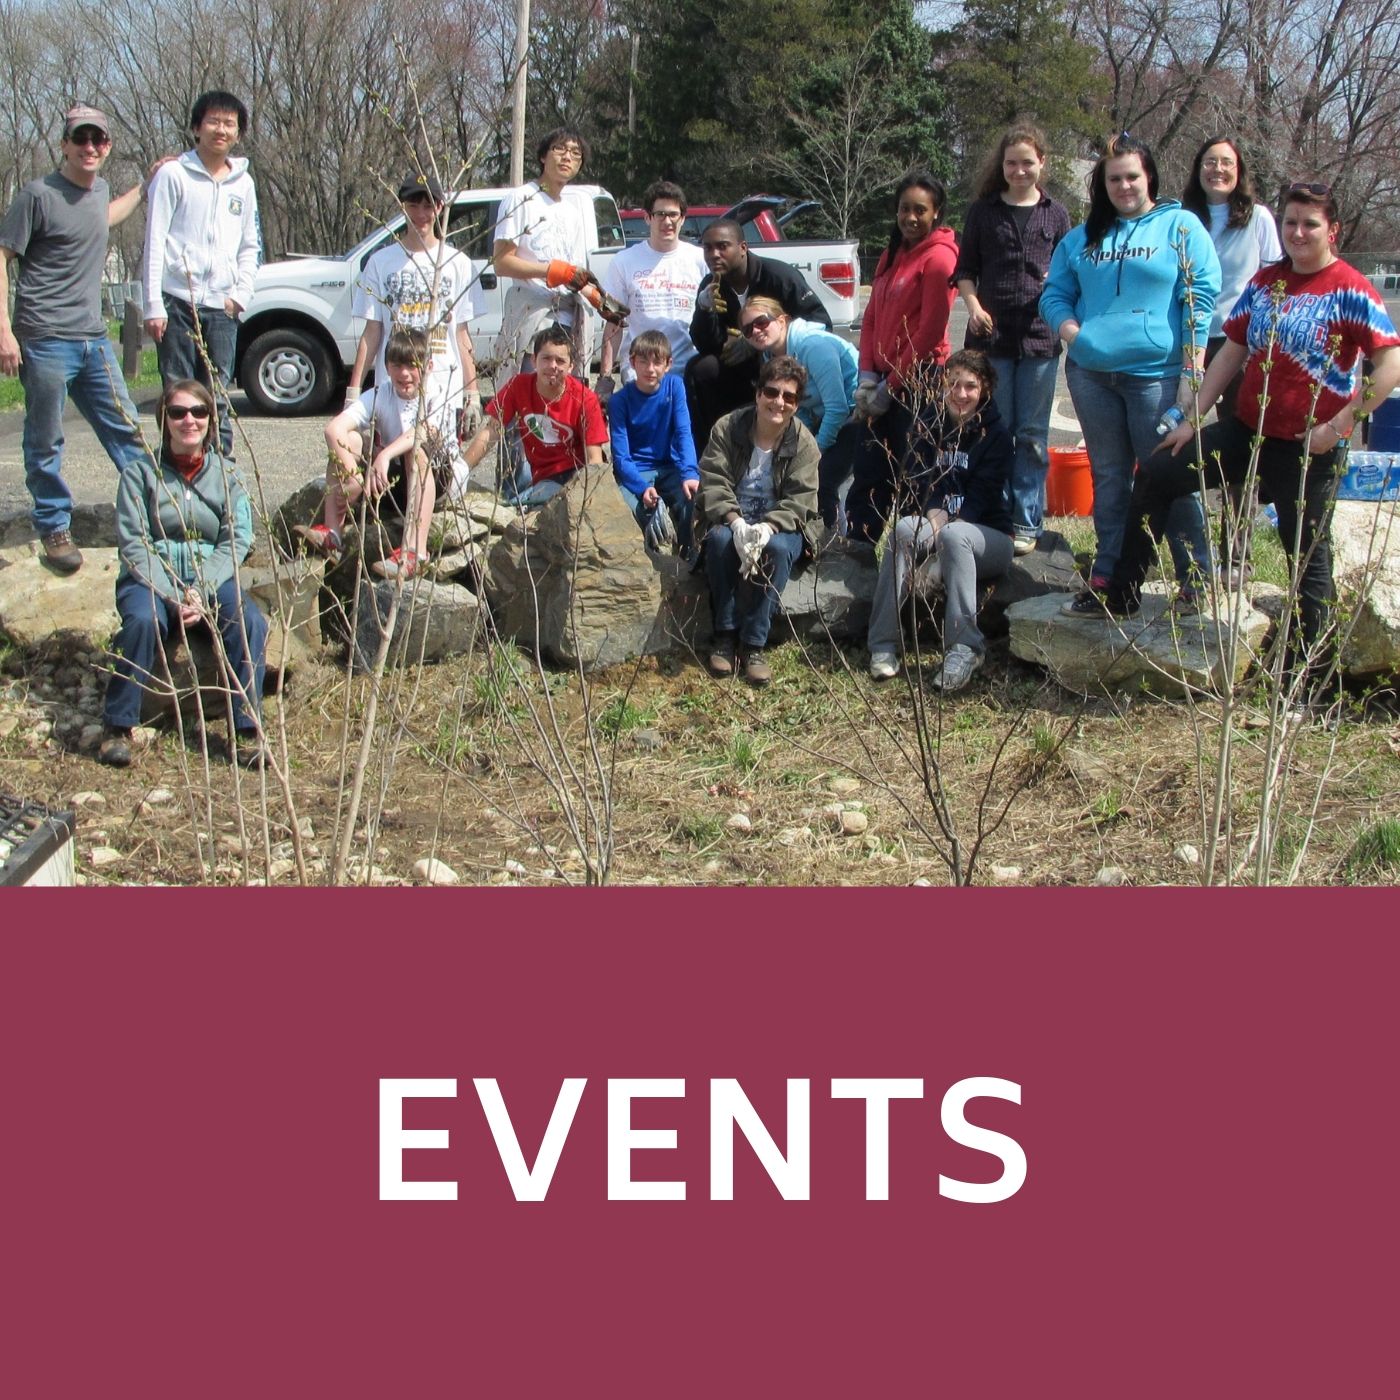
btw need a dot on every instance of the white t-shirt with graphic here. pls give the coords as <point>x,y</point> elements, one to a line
<point>755,490</point>
<point>432,292</point>
<point>392,416</point>
<point>659,290</point>
<point>543,228</point>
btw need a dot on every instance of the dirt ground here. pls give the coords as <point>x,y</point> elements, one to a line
<point>655,774</point>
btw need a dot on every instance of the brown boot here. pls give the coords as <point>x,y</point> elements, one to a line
<point>722,656</point>
<point>115,749</point>
<point>60,553</point>
<point>757,671</point>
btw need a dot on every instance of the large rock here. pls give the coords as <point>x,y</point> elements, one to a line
<point>289,593</point>
<point>1047,569</point>
<point>831,597</point>
<point>36,603</point>
<point>1153,650</point>
<point>1366,567</point>
<point>305,506</point>
<point>92,526</point>
<point>575,581</point>
<point>432,621</point>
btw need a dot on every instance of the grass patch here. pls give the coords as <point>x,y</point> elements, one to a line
<point>620,716</point>
<point>1374,857</point>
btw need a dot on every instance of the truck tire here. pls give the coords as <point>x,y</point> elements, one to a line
<point>287,372</point>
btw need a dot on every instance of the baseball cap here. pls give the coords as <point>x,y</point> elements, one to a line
<point>418,184</point>
<point>83,115</point>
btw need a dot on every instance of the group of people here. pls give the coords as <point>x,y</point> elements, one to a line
<point>744,432</point>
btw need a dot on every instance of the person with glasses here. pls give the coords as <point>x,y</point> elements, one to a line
<point>183,523</point>
<point>657,282</point>
<point>420,282</point>
<point>758,500</point>
<point>1298,332</point>
<point>956,484</point>
<point>1130,292</point>
<point>56,229</point>
<point>541,247</point>
<point>203,246</point>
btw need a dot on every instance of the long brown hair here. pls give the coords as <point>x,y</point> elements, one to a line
<point>1240,199</point>
<point>992,180</point>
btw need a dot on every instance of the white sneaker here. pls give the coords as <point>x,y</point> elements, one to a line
<point>1025,544</point>
<point>884,665</point>
<point>957,668</point>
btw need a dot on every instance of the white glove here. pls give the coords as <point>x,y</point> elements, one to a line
<point>706,299</point>
<point>352,395</point>
<point>741,530</point>
<point>757,541</point>
<point>605,388</point>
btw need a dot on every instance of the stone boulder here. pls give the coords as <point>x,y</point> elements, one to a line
<point>1153,650</point>
<point>1047,569</point>
<point>92,526</point>
<point>433,621</point>
<point>36,603</point>
<point>831,597</point>
<point>1366,567</point>
<point>305,506</point>
<point>289,594</point>
<point>574,580</point>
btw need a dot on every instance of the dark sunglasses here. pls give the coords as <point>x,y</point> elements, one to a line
<point>178,412</point>
<point>1304,187</point>
<point>86,136</point>
<point>758,324</point>
<point>772,393</point>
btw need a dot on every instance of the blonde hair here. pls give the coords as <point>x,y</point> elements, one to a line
<point>767,305</point>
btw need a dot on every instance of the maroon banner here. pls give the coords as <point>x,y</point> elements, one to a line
<point>208,1095</point>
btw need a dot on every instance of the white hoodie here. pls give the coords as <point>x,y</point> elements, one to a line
<point>202,234</point>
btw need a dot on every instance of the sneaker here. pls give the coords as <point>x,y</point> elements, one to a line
<point>722,657</point>
<point>402,563</point>
<point>757,671</point>
<point>249,751</point>
<point>884,665</point>
<point>1097,606</point>
<point>61,554</point>
<point>957,669</point>
<point>318,539</point>
<point>1025,544</point>
<point>115,749</point>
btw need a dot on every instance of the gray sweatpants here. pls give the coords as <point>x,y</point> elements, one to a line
<point>966,553</point>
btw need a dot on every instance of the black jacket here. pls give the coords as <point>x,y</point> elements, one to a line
<point>963,470</point>
<point>709,333</point>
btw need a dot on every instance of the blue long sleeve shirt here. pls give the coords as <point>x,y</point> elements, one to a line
<point>833,370</point>
<point>1139,296</point>
<point>649,431</point>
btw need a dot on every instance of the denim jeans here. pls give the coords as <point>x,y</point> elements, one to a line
<point>1024,397</point>
<point>146,617</point>
<point>742,605</point>
<point>180,357</point>
<point>1118,415</point>
<point>539,493</point>
<point>670,487</point>
<point>52,371</point>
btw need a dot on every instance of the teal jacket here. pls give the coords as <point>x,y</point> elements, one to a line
<point>173,534</point>
<point>1143,293</point>
<point>832,371</point>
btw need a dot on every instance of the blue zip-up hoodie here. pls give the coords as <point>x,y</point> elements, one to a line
<point>1129,294</point>
<point>832,371</point>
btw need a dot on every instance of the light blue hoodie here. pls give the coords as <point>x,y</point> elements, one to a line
<point>832,371</point>
<point>1129,294</point>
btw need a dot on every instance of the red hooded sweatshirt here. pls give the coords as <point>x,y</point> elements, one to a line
<point>906,319</point>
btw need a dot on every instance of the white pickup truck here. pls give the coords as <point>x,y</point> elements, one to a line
<point>297,337</point>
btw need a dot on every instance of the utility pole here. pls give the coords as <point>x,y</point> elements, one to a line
<point>517,109</point>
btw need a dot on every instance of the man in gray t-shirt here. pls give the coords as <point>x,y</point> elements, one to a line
<point>56,230</point>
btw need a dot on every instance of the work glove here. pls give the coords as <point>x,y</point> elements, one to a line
<point>741,529</point>
<point>737,350</point>
<point>719,303</point>
<point>754,545</point>
<point>471,417</point>
<point>565,274</point>
<point>660,532</point>
<point>605,388</point>
<point>609,308</point>
<point>873,399</point>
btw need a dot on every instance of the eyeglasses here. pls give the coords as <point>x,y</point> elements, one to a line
<point>757,326</point>
<point>86,136</point>
<point>178,412</point>
<point>567,150</point>
<point>1302,187</point>
<point>672,216</point>
<point>772,393</point>
<point>1217,163</point>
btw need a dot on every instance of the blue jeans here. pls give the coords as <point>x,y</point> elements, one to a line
<point>146,617</point>
<point>670,487</point>
<point>1118,415</point>
<point>180,357</point>
<point>528,497</point>
<point>744,605</point>
<point>52,371</point>
<point>1024,397</point>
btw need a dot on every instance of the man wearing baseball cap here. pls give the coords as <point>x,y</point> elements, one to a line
<point>56,230</point>
<point>419,282</point>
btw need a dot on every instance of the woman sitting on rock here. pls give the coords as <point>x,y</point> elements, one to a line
<point>183,523</point>
<point>957,477</point>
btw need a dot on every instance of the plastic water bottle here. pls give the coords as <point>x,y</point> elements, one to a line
<point>1172,419</point>
<point>1267,515</point>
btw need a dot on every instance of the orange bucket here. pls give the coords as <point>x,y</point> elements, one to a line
<point>1069,488</point>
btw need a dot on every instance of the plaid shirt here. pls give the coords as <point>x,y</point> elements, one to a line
<point>1010,275</point>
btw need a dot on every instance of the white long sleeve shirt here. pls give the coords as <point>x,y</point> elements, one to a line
<point>202,235</point>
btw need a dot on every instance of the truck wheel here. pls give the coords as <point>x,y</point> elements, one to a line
<point>287,371</point>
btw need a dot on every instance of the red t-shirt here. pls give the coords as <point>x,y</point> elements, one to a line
<point>554,435</point>
<point>1303,312</point>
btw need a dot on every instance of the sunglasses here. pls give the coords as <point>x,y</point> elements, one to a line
<point>178,412</point>
<point>758,325</point>
<point>772,393</point>
<point>88,137</point>
<point>1303,187</point>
